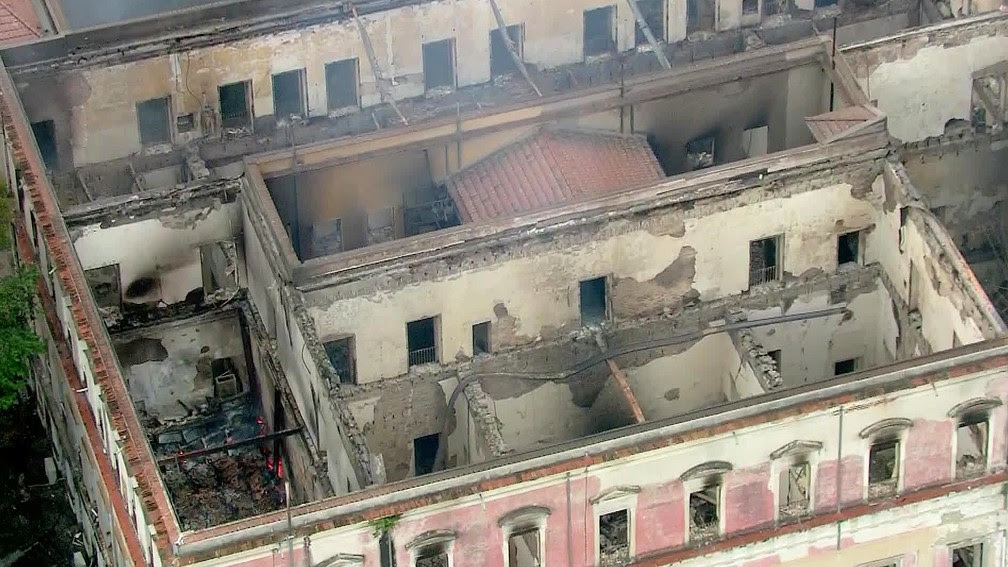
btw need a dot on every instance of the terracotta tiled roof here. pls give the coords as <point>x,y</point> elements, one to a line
<point>550,167</point>
<point>831,124</point>
<point>18,21</point>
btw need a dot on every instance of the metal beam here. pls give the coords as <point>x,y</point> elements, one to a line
<point>655,46</point>
<point>512,49</point>
<point>228,446</point>
<point>386,94</point>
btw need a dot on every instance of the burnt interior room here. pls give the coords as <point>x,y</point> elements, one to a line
<point>217,429</point>
<point>404,192</point>
<point>965,186</point>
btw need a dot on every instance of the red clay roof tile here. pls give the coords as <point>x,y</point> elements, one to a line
<point>551,167</point>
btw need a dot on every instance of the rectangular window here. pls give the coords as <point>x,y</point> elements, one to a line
<point>289,94</point>
<point>971,446</point>
<point>593,301</point>
<point>381,225</point>
<point>154,119</point>
<point>425,451</point>
<point>439,64</point>
<point>501,61</point>
<point>794,490</point>
<point>45,137</point>
<point>386,550</point>
<point>523,548</point>
<point>599,31</point>
<point>421,338</point>
<point>968,555</point>
<point>764,260</point>
<point>326,237</point>
<point>341,354</point>
<point>481,338</point>
<point>883,468</point>
<point>654,16</point>
<point>236,105</point>
<point>842,367</point>
<point>106,286</point>
<point>614,538</point>
<point>700,153</point>
<point>750,7</point>
<point>341,84</point>
<point>700,15</point>
<point>704,513</point>
<point>848,248</point>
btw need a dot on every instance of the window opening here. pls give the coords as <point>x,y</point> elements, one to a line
<point>154,119</point>
<point>342,82</point>
<point>971,446</point>
<point>326,237</point>
<point>386,550</point>
<point>824,3</point>
<point>288,94</point>
<point>45,137</point>
<point>421,337</point>
<point>501,62</point>
<point>700,153</point>
<point>704,520</point>
<point>883,468</point>
<point>968,555</point>
<point>654,16</point>
<point>219,261</point>
<point>523,548</point>
<point>593,301</point>
<point>235,105</point>
<point>750,7</point>
<point>764,256</point>
<point>481,338</point>
<point>425,454</point>
<point>614,538</point>
<point>381,225</point>
<point>439,64</point>
<point>845,366</point>
<point>848,248</point>
<point>699,16</point>
<point>599,31</point>
<point>794,490</point>
<point>106,286</point>
<point>341,355</point>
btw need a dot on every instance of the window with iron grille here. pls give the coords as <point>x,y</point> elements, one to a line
<point>794,490</point>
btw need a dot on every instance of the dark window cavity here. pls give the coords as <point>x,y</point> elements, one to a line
<point>45,137</point>
<point>439,64</point>
<point>501,61</point>
<point>154,118</point>
<point>341,354</point>
<point>593,301</point>
<point>654,16</point>
<point>481,338</point>
<point>289,94</point>
<point>848,248</point>
<point>425,454</point>
<point>599,31</point>
<point>421,339</point>
<point>342,84</point>
<point>235,105</point>
<point>764,260</point>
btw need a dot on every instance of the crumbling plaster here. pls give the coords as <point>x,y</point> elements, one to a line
<point>165,249</point>
<point>659,506</point>
<point>104,127</point>
<point>634,253</point>
<point>921,80</point>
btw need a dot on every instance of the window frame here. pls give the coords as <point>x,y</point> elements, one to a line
<point>445,539</point>
<point>354,62</point>
<point>302,84</point>
<point>859,256</point>
<point>612,500</point>
<point>169,129</point>
<point>778,240</point>
<point>783,459</point>
<point>453,63</point>
<point>522,520</point>
<point>352,339</point>
<point>613,41</point>
<point>606,301</point>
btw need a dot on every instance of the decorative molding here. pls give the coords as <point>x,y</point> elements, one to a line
<point>342,560</point>
<point>975,405</point>
<point>616,492</point>
<point>431,537</point>
<point>890,425</point>
<point>796,447</point>
<point>708,468</point>
<point>523,515</point>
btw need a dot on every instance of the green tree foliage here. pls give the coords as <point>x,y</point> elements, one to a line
<point>18,340</point>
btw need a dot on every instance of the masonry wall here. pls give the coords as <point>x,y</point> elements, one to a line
<point>923,80</point>
<point>648,485</point>
<point>164,248</point>
<point>866,330</point>
<point>652,264</point>
<point>171,363</point>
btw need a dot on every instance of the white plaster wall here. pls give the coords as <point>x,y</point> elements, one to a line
<point>923,90</point>
<point>548,294</point>
<point>544,416</point>
<point>691,380</point>
<point>866,330</point>
<point>167,248</point>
